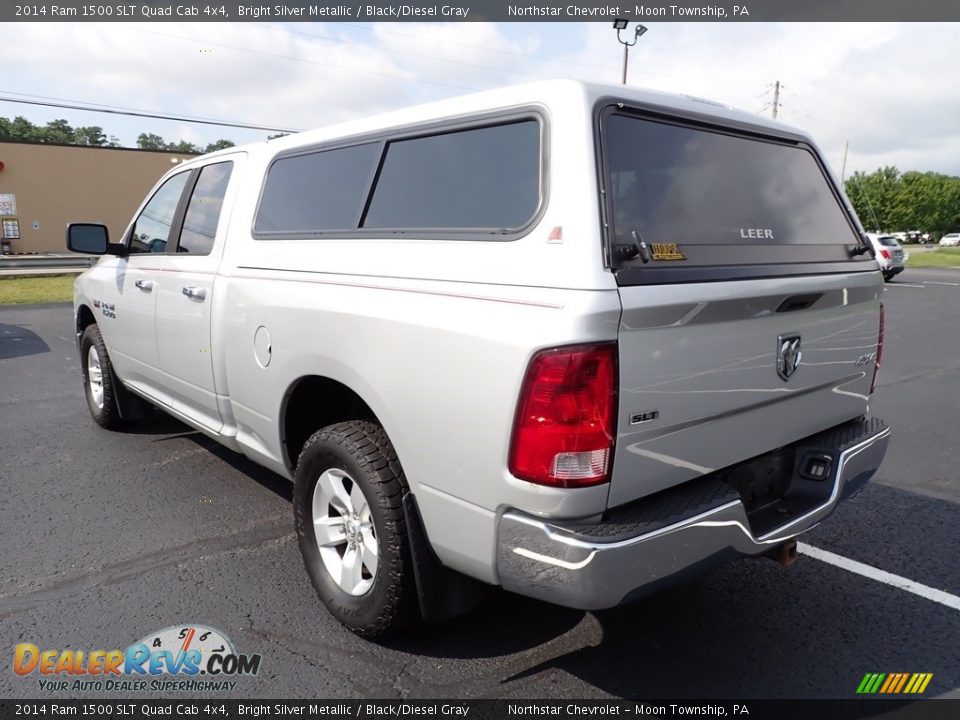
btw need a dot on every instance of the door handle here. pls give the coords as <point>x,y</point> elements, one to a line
<point>145,285</point>
<point>195,293</point>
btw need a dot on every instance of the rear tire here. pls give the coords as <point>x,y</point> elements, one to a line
<point>98,379</point>
<point>348,510</point>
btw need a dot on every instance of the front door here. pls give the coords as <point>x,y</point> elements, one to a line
<point>127,289</point>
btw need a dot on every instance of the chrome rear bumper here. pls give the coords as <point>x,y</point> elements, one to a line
<point>561,563</point>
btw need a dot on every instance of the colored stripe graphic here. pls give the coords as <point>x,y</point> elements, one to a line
<point>870,683</point>
<point>894,683</point>
<point>903,681</point>
<point>897,682</point>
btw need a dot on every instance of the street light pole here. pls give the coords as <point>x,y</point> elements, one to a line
<point>619,25</point>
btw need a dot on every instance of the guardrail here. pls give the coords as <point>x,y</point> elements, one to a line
<point>46,261</point>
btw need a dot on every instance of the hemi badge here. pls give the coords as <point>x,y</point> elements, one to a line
<point>667,251</point>
<point>643,417</point>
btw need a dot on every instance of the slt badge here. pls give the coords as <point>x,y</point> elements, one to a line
<point>788,355</point>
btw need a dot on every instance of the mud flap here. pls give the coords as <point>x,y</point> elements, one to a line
<point>130,406</point>
<point>443,593</point>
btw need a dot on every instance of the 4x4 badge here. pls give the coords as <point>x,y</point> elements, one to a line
<point>788,355</point>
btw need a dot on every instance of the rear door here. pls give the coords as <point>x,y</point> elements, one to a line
<point>185,297</point>
<point>748,322</point>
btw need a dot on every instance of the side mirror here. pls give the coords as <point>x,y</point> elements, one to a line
<point>91,239</point>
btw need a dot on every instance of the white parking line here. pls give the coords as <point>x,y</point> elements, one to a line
<point>934,282</point>
<point>938,596</point>
<point>899,284</point>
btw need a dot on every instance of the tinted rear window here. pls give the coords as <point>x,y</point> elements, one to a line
<point>888,241</point>
<point>477,181</point>
<point>478,178</point>
<point>316,192</point>
<point>723,198</point>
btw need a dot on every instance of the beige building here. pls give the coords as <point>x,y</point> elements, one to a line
<point>52,185</point>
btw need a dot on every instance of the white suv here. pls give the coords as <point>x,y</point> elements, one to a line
<point>890,256</point>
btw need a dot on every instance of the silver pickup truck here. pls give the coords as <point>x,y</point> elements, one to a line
<point>574,340</point>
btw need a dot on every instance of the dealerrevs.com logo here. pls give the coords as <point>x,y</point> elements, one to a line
<point>184,657</point>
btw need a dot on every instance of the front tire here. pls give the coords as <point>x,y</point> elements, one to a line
<point>98,380</point>
<point>348,509</point>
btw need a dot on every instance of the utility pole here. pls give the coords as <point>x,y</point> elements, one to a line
<point>626,54</point>
<point>843,165</point>
<point>776,98</point>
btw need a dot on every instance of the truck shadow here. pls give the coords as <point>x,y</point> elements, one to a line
<point>747,630</point>
<point>732,636</point>
<point>501,625</point>
<point>17,341</point>
<point>172,429</point>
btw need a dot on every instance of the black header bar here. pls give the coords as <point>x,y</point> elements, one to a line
<point>482,10</point>
<point>178,707</point>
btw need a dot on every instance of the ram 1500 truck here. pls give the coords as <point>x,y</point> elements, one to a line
<point>572,340</point>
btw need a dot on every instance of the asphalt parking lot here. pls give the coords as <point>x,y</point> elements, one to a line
<point>107,537</point>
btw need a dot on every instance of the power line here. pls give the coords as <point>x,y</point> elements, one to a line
<point>459,45</point>
<point>395,76</point>
<point>85,106</point>
<point>94,107</point>
<point>304,60</point>
<point>343,41</point>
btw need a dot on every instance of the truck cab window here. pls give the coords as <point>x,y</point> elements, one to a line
<point>151,230</point>
<point>203,212</point>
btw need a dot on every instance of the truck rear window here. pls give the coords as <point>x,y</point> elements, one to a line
<point>479,178</point>
<point>480,181</point>
<point>317,191</point>
<point>719,198</point>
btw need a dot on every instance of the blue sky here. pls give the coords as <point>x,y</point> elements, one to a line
<point>885,88</point>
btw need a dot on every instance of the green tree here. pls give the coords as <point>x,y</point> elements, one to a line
<point>182,147</point>
<point>149,141</point>
<point>888,201</point>
<point>92,135</point>
<point>18,130</point>
<point>219,145</point>
<point>56,131</point>
<point>60,132</point>
<point>872,197</point>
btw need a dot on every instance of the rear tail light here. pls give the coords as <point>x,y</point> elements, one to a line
<point>876,366</point>
<point>564,429</point>
<point>885,253</point>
